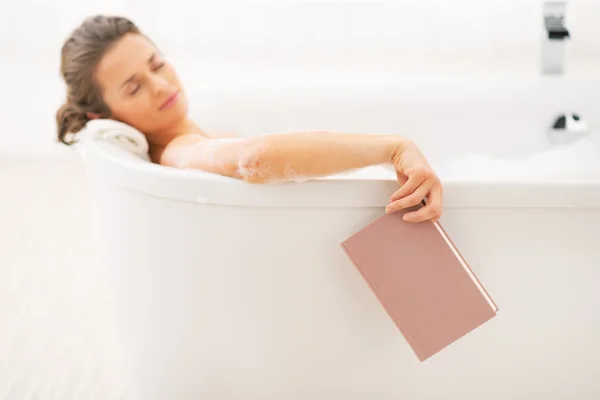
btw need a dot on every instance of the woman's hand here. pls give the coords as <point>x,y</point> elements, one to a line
<point>419,182</point>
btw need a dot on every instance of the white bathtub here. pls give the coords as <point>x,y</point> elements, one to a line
<point>227,290</point>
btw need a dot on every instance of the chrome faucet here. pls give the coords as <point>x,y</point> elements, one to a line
<point>555,35</point>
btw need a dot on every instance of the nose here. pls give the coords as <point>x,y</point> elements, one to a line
<point>160,85</point>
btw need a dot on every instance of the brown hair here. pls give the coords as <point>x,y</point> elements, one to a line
<point>80,54</point>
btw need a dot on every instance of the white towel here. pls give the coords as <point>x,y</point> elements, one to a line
<point>120,134</point>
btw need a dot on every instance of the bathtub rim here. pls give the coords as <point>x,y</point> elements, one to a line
<point>123,169</point>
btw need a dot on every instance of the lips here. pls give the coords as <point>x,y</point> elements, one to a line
<point>171,100</point>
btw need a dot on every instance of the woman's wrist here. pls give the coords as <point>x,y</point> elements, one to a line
<point>396,144</point>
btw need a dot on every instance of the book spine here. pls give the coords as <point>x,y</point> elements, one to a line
<point>465,263</point>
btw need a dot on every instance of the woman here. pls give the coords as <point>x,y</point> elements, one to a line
<point>112,70</point>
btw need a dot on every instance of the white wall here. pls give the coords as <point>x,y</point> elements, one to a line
<point>303,33</point>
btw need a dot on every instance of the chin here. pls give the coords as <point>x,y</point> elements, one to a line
<point>176,116</point>
<point>181,112</point>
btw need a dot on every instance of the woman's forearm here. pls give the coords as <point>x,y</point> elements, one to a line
<point>304,155</point>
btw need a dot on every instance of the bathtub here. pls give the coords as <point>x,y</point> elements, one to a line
<point>227,290</point>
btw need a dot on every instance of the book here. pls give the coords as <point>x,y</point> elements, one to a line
<point>421,279</point>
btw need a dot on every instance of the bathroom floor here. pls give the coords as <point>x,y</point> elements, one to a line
<point>57,338</point>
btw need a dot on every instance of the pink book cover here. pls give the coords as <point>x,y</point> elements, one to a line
<point>421,280</point>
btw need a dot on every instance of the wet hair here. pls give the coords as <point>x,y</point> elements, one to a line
<point>80,55</point>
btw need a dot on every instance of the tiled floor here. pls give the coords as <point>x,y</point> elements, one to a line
<point>57,338</point>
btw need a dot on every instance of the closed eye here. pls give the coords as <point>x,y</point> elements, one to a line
<point>138,86</point>
<point>135,90</point>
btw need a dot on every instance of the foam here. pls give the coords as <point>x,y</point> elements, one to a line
<point>293,176</point>
<point>573,161</point>
<point>249,168</point>
<point>252,170</point>
<point>206,151</point>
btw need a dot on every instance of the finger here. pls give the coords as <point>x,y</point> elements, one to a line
<point>412,199</point>
<point>422,214</point>
<point>414,180</point>
<point>436,202</point>
<point>433,209</point>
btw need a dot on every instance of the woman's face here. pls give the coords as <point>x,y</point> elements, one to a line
<point>137,81</point>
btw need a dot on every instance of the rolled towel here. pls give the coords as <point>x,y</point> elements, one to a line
<point>120,134</point>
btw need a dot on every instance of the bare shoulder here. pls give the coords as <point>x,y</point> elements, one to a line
<point>173,152</point>
<point>223,135</point>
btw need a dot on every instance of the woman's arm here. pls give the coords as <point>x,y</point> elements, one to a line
<point>283,157</point>
<point>220,135</point>
<point>303,155</point>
